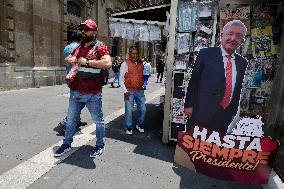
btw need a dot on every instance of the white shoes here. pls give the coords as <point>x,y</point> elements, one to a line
<point>140,129</point>
<point>128,131</point>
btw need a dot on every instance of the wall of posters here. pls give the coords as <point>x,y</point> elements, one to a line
<point>194,29</point>
<point>244,153</point>
<point>261,54</point>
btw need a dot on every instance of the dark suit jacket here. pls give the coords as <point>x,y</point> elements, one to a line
<point>207,84</point>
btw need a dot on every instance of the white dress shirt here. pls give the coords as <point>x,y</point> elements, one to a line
<point>123,71</point>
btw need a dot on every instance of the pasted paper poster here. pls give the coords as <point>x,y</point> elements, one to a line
<point>244,155</point>
<point>187,18</point>
<point>184,43</point>
<point>262,42</point>
<point>229,13</point>
<point>155,33</point>
<point>129,31</point>
<point>178,115</point>
<point>205,11</point>
<point>115,29</point>
<point>144,33</point>
<point>245,100</point>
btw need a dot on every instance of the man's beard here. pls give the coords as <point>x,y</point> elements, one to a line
<point>86,39</point>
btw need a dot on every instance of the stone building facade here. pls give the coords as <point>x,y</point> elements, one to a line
<point>34,32</point>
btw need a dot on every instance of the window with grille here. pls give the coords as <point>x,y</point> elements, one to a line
<point>73,8</point>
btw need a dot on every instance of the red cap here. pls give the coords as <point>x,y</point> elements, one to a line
<point>90,24</point>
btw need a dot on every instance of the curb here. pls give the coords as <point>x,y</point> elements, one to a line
<point>274,182</point>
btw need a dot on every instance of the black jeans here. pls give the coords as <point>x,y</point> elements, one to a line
<point>160,74</point>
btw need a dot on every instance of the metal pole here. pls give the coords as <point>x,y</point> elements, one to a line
<point>169,66</point>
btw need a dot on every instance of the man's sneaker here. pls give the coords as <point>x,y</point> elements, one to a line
<point>62,149</point>
<point>140,129</point>
<point>128,131</point>
<point>97,151</point>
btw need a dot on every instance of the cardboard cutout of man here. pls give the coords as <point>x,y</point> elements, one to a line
<point>214,89</point>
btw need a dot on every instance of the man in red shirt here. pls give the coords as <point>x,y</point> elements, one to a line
<point>92,57</point>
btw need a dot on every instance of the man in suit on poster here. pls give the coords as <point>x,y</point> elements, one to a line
<point>214,89</point>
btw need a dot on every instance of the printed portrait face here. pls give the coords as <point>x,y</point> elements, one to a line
<point>232,38</point>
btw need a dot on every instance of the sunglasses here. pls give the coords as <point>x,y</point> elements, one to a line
<point>86,29</point>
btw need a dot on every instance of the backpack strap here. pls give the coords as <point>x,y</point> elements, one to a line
<point>96,45</point>
<point>77,50</point>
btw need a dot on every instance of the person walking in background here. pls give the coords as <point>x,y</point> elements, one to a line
<point>131,81</point>
<point>160,69</point>
<point>116,70</point>
<point>91,57</point>
<point>76,38</point>
<point>146,72</point>
<point>213,92</point>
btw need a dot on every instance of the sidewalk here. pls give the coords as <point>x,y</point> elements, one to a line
<point>137,161</point>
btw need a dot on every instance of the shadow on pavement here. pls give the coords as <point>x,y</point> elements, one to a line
<point>81,158</point>
<point>61,131</point>
<point>150,144</point>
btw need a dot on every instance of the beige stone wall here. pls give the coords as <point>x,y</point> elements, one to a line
<point>32,36</point>
<point>102,18</point>
<point>7,29</point>
<point>24,33</point>
<point>38,33</point>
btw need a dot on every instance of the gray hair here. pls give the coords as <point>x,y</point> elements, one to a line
<point>235,22</point>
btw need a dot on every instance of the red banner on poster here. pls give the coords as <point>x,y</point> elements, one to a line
<point>234,157</point>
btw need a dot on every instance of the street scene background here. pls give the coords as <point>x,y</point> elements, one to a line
<point>29,119</point>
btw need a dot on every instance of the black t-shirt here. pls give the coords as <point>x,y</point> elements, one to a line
<point>116,66</point>
<point>160,67</point>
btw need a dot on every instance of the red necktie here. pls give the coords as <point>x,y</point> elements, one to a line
<point>228,91</point>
